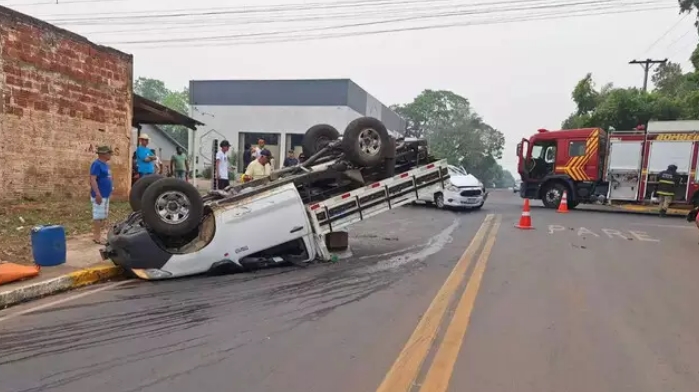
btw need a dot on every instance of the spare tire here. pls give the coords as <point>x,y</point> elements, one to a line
<point>139,188</point>
<point>317,137</point>
<point>172,207</point>
<point>366,142</point>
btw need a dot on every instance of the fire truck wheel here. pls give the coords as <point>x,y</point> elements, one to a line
<point>366,142</point>
<point>552,194</point>
<point>139,188</point>
<point>317,137</point>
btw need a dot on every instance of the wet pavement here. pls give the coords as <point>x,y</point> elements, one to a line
<point>586,301</point>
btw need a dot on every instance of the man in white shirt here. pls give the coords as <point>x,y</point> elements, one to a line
<point>221,166</point>
<point>259,168</point>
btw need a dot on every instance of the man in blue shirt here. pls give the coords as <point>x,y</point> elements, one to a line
<point>145,158</point>
<point>100,189</point>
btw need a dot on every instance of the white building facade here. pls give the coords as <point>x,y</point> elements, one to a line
<point>278,111</point>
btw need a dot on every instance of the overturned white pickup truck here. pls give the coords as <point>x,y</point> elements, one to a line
<point>285,218</point>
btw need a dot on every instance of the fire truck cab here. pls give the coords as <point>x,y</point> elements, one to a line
<point>609,167</point>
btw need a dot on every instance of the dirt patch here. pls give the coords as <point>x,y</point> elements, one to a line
<point>18,218</point>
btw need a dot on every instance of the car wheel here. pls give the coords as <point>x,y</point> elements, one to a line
<point>439,201</point>
<point>139,188</point>
<point>317,137</point>
<point>366,142</point>
<point>172,207</point>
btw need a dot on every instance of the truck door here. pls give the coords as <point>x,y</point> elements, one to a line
<point>542,159</point>
<point>624,169</point>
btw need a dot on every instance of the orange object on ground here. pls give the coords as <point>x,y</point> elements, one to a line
<point>563,206</point>
<point>525,221</point>
<point>10,272</point>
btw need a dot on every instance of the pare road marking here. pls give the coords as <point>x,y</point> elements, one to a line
<point>605,233</point>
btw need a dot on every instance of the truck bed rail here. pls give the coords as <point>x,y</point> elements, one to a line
<point>341,211</point>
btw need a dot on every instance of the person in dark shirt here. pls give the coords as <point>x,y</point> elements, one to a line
<point>247,156</point>
<point>290,159</point>
<point>667,182</point>
<point>100,189</point>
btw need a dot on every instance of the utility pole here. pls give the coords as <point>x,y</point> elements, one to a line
<point>647,64</point>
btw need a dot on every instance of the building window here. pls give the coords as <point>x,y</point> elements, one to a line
<point>577,148</point>
<point>271,139</point>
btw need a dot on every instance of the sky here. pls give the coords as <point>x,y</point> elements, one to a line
<point>518,72</point>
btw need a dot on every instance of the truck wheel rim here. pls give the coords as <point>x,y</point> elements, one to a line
<point>173,207</point>
<point>369,141</point>
<point>552,195</point>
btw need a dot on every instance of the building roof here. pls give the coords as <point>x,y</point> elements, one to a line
<point>146,111</point>
<point>166,135</point>
<point>299,92</point>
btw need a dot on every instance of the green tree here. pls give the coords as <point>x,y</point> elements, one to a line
<point>454,131</point>
<point>157,91</point>
<point>668,78</point>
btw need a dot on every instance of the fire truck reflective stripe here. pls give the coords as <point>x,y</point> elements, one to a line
<point>575,167</point>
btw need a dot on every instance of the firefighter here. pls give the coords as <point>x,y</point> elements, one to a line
<point>667,182</point>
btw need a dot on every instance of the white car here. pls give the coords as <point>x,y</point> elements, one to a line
<point>463,191</point>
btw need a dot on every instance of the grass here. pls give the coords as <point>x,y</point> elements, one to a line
<point>18,218</point>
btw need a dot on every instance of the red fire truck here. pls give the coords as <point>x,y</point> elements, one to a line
<point>609,167</point>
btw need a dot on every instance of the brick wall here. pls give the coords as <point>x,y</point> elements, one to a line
<point>60,97</point>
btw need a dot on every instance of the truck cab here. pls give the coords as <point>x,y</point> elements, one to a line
<point>551,162</point>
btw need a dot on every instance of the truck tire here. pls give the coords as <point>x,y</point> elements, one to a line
<point>139,188</point>
<point>317,137</point>
<point>552,194</point>
<point>172,207</point>
<point>366,142</point>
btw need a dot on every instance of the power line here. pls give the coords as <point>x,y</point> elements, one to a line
<point>60,2</point>
<point>379,6</point>
<point>674,25</point>
<point>342,26</point>
<point>264,40</point>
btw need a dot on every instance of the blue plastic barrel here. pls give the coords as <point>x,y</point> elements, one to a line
<point>49,245</point>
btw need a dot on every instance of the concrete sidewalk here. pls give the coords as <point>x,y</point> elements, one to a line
<point>83,266</point>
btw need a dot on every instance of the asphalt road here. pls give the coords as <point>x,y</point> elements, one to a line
<point>429,301</point>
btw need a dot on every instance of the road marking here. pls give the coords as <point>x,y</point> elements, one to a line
<point>611,233</point>
<point>439,374</point>
<point>691,227</point>
<point>404,371</point>
<point>63,300</point>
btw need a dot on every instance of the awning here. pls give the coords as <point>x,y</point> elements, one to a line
<point>146,111</point>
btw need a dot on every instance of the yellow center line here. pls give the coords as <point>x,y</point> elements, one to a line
<point>405,369</point>
<point>439,374</point>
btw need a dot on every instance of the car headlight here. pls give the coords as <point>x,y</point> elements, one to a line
<point>450,187</point>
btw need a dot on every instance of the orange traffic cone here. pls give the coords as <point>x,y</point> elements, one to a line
<point>563,206</point>
<point>525,221</point>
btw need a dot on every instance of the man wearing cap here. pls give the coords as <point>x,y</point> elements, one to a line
<point>259,168</point>
<point>145,158</point>
<point>221,166</point>
<point>100,189</point>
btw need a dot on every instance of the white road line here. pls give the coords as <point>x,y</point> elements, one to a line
<point>61,301</point>
<point>667,226</point>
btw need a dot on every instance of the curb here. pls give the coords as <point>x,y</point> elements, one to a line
<point>59,284</point>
